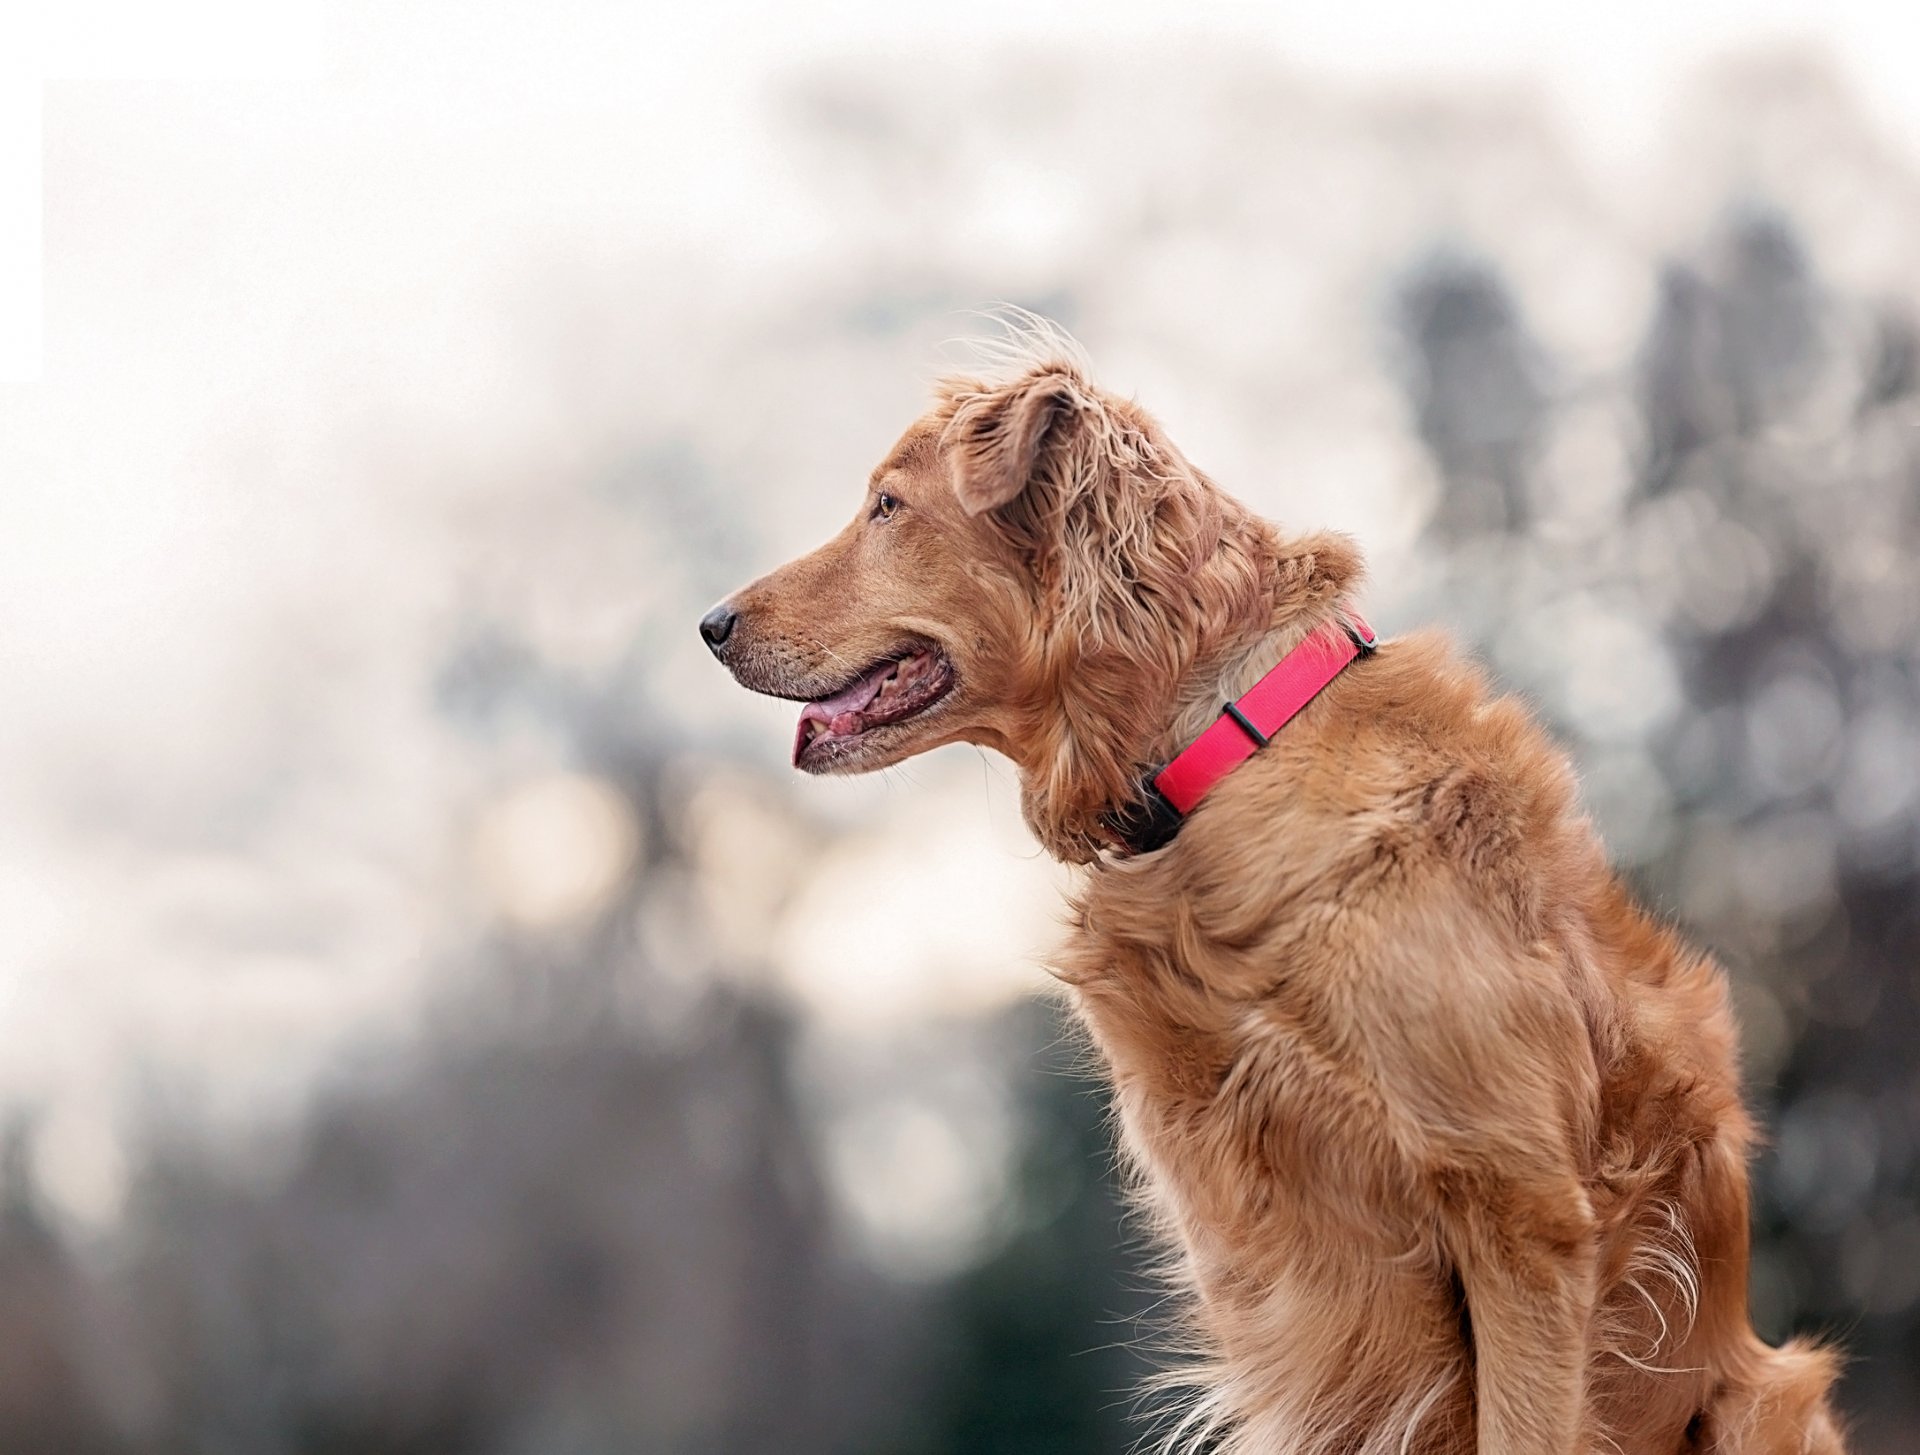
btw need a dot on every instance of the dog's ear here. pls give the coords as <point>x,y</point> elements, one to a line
<point>997,439</point>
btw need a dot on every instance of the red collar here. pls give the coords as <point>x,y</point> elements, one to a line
<point>1242,729</point>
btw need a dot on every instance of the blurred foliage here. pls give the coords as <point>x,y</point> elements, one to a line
<point>1770,545</point>
<point>1039,1347</point>
<point>590,1205</point>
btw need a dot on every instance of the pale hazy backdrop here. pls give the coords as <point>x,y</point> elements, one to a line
<point>434,1018</point>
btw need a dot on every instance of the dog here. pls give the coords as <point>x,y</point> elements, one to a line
<point>1442,1133</point>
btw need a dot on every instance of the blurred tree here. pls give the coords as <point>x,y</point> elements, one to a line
<point>1477,383</point>
<point>1793,751</point>
<point>52,1395</point>
<point>1040,1348</point>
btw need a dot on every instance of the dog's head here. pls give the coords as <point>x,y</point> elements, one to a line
<point>1033,568</point>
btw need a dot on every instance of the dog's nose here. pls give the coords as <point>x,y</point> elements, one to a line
<point>717,625</point>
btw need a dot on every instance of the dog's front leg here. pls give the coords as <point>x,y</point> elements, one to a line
<point>1476,1036</point>
<point>1526,1260</point>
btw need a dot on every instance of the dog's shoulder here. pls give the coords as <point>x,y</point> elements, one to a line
<point>1409,763</point>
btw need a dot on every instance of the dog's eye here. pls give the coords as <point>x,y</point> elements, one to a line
<point>884,506</point>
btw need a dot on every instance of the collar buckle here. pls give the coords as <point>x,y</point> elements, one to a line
<point>1148,822</point>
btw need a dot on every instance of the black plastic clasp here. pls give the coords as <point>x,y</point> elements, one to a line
<point>1245,723</point>
<point>1367,645</point>
<point>1148,823</point>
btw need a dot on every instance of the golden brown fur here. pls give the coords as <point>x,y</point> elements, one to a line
<point>1443,1133</point>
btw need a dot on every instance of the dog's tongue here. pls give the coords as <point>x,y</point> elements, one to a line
<point>840,714</point>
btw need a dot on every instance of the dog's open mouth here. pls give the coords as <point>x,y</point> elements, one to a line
<point>890,691</point>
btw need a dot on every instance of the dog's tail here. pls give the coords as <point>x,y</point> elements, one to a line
<point>1776,1404</point>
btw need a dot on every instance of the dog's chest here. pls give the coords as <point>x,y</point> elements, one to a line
<point>1219,1036</point>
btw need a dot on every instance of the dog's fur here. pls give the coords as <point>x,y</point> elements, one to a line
<point>1443,1133</point>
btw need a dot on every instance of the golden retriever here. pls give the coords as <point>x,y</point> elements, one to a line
<point>1444,1134</point>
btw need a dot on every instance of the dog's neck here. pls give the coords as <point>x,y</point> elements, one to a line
<point>1124,723</point>
<point>1208,688</point>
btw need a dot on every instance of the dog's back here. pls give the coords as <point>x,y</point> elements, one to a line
<point>1382,1025</point>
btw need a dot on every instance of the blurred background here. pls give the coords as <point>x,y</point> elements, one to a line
<point>434,1019</point>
